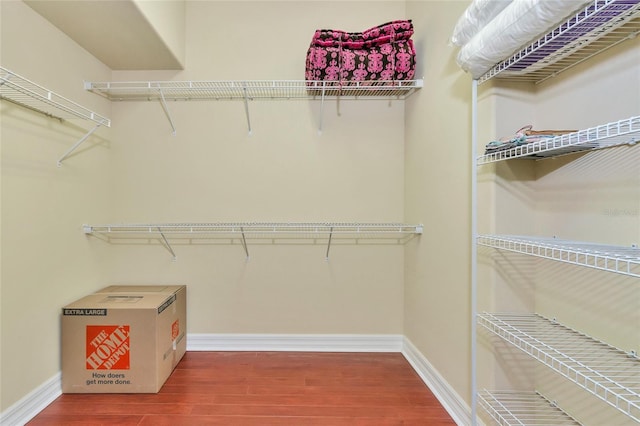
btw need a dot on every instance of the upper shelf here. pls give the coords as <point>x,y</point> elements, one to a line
<point>620,132</point>
<point>24,92</point>
<point>622,260</point>
<point>252,89</point>
<point>28,94</point>
<point>597,27</point>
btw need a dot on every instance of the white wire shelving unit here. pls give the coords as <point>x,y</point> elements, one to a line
<point>621,132</point>
<point>599,26</point>
<point>251,90</point>
<point>618,259</point>
<point>327,233</point>
<point>590,31</point>
<point>513,408</point>
<point>602,370</point>
<point>21,91</point>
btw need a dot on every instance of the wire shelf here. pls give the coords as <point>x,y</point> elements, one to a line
<point>603,370</point>
<point>22,91</point>
<point>512,408</point>
<point>258,229</point>
<point>255,232</point>
<point>252,90</point>
<point>618,259</point>
<point>590,31</point>
<point>622,132</point>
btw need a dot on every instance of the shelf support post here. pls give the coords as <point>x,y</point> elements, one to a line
<point>244,243</point>
<point>246,111</point>
<point>329,243</point>
<point>167,245</point>
<point>474,253</point>
<point>77,144</point>
<point>163,102</point>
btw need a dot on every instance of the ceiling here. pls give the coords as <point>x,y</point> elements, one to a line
<point>114,31</point>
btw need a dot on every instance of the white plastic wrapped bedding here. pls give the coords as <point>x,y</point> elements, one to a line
<point>521,22</point>
<point>477,15</point>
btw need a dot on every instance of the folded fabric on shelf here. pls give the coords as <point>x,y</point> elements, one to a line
<point>523,136</point>
<point>517,24</point>
<point>478,14</point>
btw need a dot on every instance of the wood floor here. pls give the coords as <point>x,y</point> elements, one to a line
<point>266,388</point>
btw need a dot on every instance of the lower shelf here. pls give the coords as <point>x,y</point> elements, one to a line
<point>621,260</point>
<point>603,370</point>
<point>522,408</point>
<point>168,234</point>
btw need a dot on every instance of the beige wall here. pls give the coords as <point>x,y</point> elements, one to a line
<point>46,262</point>
<point>437,188</point>
<point>212,170</point>
<point>167,18</point>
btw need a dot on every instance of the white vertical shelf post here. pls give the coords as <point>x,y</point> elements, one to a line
<point>474,252</point>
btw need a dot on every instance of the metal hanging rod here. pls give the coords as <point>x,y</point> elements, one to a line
<point>28,94</point>
<point>245,231</point>
<point>250,90</point>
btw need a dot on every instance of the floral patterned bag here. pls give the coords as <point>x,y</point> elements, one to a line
<point>384,52</point>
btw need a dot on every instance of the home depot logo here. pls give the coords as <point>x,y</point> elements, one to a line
<point>175,330</point>
<point>107,347</point>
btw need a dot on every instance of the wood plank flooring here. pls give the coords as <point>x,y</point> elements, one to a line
<point>266,388</point>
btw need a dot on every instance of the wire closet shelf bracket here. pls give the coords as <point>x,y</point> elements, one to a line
<point>21,91</point>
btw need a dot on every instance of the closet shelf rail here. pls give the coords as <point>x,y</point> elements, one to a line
<point>622,132</point>
<point>19,90</point>
<point>509,408</point>
<point>618,259</point>
<point>250,90</point>
<point>603,370</point>
<point>190,233</point>
<point>590,31</point>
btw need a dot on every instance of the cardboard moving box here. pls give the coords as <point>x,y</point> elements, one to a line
<point>123,339</point>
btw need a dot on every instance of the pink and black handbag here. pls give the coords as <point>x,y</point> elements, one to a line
<point>384,52</point>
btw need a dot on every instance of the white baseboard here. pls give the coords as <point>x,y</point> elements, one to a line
<point>29,406</point>
<point>449,398</point>
<point>296,342</point>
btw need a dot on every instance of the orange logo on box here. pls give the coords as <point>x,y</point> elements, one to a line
<point>175,330</point>
<point>107,347</point>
